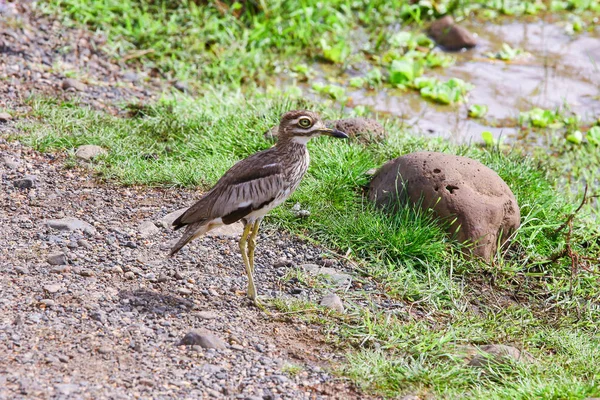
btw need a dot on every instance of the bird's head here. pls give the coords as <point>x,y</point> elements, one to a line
<point>300,126</point>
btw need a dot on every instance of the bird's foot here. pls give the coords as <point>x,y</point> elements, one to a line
<point>260,302</point>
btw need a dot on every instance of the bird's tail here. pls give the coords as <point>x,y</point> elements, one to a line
<point>192,231</point>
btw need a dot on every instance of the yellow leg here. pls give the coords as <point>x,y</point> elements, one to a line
<point>243,240</point>
<point>252,243</point>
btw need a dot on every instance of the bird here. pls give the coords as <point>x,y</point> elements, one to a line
<point>254,186</point>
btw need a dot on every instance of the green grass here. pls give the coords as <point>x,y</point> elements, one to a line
<point>441,299</point>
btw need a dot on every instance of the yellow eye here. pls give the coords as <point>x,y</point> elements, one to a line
<point>304,122</point>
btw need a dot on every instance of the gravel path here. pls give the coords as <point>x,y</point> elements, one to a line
<point>90,306</point>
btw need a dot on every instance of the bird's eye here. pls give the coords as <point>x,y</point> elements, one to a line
<point>305,122</point>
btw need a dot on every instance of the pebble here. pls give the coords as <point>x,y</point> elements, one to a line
<point>129,275</point>
<point>60,269</point>
<point>104,350</point>
<point>147,229</point>
<point>5,117</point>
<point>333,302</point>
<point>71,224</point>
<point>70,83</point>
<point>21,270</point>
<point>203,339</point>
<point>184,291</point>
<point>54,288</point>
<point>206,315</point>
<point>27,182</point>
<point>57,259</point>
<point>86,272</point>
<point>89,151</point>
<point>47,302</point>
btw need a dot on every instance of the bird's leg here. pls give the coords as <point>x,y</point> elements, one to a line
<point>252,243</point>
<point>243,240</point>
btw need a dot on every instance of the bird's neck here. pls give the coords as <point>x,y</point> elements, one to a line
<point>295,142</point>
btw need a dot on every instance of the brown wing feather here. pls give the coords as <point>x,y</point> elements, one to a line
<point>253,180</point>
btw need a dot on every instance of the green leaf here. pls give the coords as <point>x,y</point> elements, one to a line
<point>402,71</point>
<point>575,137</point>
<point>478,110</point>
<point>593,135</point>
<point>488,138</point>
<point>357,82</point>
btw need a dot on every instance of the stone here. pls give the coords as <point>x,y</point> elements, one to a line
<point>227,231</point>
<point>27,182</point>
<point>66,389</point>
<point>480,204</point>
<point>167,220</point>
<point>86,273</point>
<point>365,130</point>
<point>70,83</point>
<point>71,224</point>
<point>21,270</point>
<point>54,288</point>
<point>57,259</point>
<point>131,76</point>
<point>202,338</point>
<point>206,315</point>
<point>147,229</point>
<point>330,274</point>
<point>89,151</point>
<point>10,164</point>
<point>181,86</point>
<point>450,36</point>
<point>333,302</point>
<point>498,354</point>
<point>5,117</point>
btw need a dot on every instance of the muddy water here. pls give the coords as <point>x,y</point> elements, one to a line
<point>562,69</point>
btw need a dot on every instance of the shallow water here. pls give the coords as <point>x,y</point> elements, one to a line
<point>562,69</point>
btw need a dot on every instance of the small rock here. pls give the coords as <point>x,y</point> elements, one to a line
<point>89,151</point>
<point>333,302</point>
<point>206,315</point>
<point>117,270</point>
<point>146,382</point>
<point>203,339</point>
<point>131,76</point>
<point>71,224</point>
<point>181,86</point>
<point>57,259</point>
<point>69,83</point>
<point>104,350</point>
<point>227,231</point>
<point>129,275</point>
<point>167,220</point>
<point>21,270</point>
<point>60,269</point>
<point>147,229</point>
<point>451,36</point>
<point>47,302</point>
<point>86,272</point>
<point>332,275</point>
<point>85,244</point>
<point>5,117</point>
<point>54,288</point>
<point>27,182</point>
<point>184,291</point>
<point>66,389</point>
<point>499,354</point>
<point>365,130</point>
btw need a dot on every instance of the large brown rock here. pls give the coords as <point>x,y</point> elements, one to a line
<point>450,36</point>
<point>365,130</point>
<point>458,189</point>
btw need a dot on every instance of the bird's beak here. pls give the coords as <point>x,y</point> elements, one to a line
<point>334,133</point>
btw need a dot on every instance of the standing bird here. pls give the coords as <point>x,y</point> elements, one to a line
<point>256,185</point>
